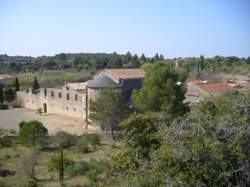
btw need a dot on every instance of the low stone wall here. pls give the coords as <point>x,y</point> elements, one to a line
<point>56,101</point>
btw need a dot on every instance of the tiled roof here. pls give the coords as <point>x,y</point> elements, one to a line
<point>102,82</point>
<point>214,87</point>
<point>125,73</point>
<point>5,76</point>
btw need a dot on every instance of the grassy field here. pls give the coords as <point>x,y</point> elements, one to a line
<point>14,159</point>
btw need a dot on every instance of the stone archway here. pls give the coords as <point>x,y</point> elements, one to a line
<point>45,110</point>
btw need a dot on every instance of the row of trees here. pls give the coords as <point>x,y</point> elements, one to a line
<point>75,61</point>
<point>114,60</point>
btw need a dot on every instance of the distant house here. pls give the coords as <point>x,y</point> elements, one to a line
<point>198,90</point>
<point>5,78</point>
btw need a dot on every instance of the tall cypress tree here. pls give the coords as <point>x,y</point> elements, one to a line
<point>17,85</point>
<point>35,85</point>
<point>1,93</point>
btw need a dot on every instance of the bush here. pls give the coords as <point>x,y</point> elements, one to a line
<point>77,168</point>
<point>3,106</point>
<point>65,139</point>
<point>96,167</point>
<point>32,133</point>
<point>82,145</point>
<point>5,141</point>
<point>93,139</point>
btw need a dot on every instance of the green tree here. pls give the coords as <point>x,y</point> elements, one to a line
<point>160,92</point>
<point>17,85</point>
<point>115,61</point>
<point>142,58</point>
<point>9,94</point>
<point>109,108</point>
<point>35,84</point>
<point>32,133</point>
<point>1,94</point>
<point>59,162</point>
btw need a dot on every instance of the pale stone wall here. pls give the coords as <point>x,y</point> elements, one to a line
<point>195,94</point>
<point>57,101</point>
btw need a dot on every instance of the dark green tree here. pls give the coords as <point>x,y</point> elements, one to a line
<point>109,108</point>
<point>115,61</point>
<point>142,58</point>
<point>160,92</point>
<point>9,93</point>
<point>35,84</point>
<point>32,133</point>
<point>162,57</point>
<point>17,85</point>
<point>1,93</point>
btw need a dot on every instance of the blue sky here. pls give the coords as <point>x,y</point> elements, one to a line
<point>175,28</point>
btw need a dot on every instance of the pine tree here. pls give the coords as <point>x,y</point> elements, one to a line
<point>1,93</point>
<point>35,85</point>
<point>17,85</point>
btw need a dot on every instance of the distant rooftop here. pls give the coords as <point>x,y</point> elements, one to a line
<point>123,73</point>
<point>5,76</point>
<point>213,88</point>
<point>102,82</point>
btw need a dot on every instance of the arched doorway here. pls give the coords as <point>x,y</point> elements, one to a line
<point>44,107</point>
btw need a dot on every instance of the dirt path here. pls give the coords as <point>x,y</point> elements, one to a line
<point>9,119</point>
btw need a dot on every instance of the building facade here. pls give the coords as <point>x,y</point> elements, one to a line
<point>74,98</point>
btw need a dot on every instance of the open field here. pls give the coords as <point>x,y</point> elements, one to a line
<point>9,119</point>
<point>13,159</point>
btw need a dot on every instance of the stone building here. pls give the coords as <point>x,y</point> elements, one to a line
<point>198,90</point>
<point>4,78</point>
<point>74,98</point>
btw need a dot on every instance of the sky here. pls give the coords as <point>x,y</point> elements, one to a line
<point>174,28</point>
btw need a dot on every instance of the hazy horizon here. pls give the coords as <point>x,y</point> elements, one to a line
<point>173,28</point>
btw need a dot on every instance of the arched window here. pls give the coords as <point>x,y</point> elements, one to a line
<point>67,96</point>
<point>45,92</point>
<point>60,95</point>
<point>76,97</point>
<point>52,94</point>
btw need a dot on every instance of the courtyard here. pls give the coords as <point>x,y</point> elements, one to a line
<point>9,119</point>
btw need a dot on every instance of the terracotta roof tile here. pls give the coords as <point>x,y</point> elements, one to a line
<point>5,76</point>
<point>125,73</point>
<point>214,87</point>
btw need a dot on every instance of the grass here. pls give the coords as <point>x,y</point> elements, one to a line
<point>11,159</point>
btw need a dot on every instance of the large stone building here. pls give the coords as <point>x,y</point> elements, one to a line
<point>74,98</point>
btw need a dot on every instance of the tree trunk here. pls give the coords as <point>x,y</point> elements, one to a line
<point>112,132</point>
<point>61,169</point>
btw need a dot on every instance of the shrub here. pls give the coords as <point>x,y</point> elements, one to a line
<point>77,168</point>
<point>32,133</point>
<point>3,106</point>
<point>82,145</point>
<point>65,139</point>
<point>93,139</point>
<point>5,141</point>
<point>96,167</point>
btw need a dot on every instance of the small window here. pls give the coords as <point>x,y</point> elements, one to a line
<point>67,108</point>
<point>76,97</point>
<point>74,110</point>
<point>52,94</point>
<point>45,92</point>
<point>60,95</point>
<point>67,96</point>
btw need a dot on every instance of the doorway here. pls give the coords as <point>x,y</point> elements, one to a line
<point>44,107</point>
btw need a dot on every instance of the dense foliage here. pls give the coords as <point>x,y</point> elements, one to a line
<point>32,133</point>
<point>160,91</point>
<point>209,146</point>
<point>109,108</point>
